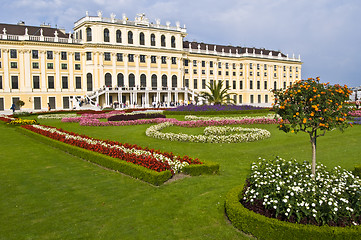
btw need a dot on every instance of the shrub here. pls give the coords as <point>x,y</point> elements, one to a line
<point>357,170</point>
<point>128,117</point>
<point>269,228</point>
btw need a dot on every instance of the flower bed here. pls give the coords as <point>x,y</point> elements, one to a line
<point>149,158</point>
<point>203,108</point>
<point>211,134</point>
<point>356,113</point>
<point>194,118</point>
<point>6,119</point>
<point>57,116</point>
<point>135,116</point>
<point>286,190</point>
<point>356,120</point>
<point>19,121</point>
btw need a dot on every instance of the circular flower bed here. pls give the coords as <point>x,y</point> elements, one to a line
<point>211,134</point>
<point>286,190</point>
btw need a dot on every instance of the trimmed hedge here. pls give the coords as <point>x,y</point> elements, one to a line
<point>357,170</point>
<point>266,110</point>
<point>269,228</point>
<point>133,170</point>
<point>136,116</point>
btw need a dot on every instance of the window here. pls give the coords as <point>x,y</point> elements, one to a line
<point>174,81</point>
<point>203,71</point>
<point>186,83</point>
<point>14,82</point>
<point>227,66</point>
<point>211,82</point>
<point>162,41</point>
<point>89,82</point>
<point>186,62</point>
<point>284,85</point>
<point>152,40</point>
<point>219,72</point>
<point>211,64</point>
<point>64,82</point>
<point>194,71</point>
<point>106,35</point>
<point>234,74</point>
<point>131,80</point>
<point>164,59</point>
<point>266,98</point>
<point>186,71</point>
<point>13,53</point>
<point>153,59</point>
<point>120,57</point>
<point>203,63</point>
<point>251,73</point>
<point>78,82</point>
<point>66,103</point>
<point>275,74</point>
<point>250,84</point>
<point>108,80</point>
<point>1,82</point>
<point>265,67</point>
<point>118,36</point>
<point>240,84</point>
<point>265,84</point>
<point>250,66</point>
<point>172,42</point>
<point>251,99</point>
<point>174,60</point>
<point>141,39</point>
<point>37,103</point>
<point>274,85</point>
<point>107,56</point>
<point>142,58</point>
<point>81,34</point>
<point>64,66</point>
<point>259,98</point>
<point>77,66</point>
<point>131,57</point>
<point>258,74</point>
<point>195,83</point>
<point>50,66</point>
<point>284,68</point>
<point>227,73</point>
<point>194,63</point>
<point>258,85</point>
<point>77,56</point>
<point>35,54</point>
<point>154,81</point>
<point>265,74</point>
<point>240,73</point>
<point>52,102</point>
<point>130,37</point>
<point>14,65</point>
<point>219,65</point>
<point>143,80</point>
<point>240,98</point>
<point>203,84</point>
<point>211,72</point>
<point>49,54</point>
<point>296,69</point>
<point>233,65</point>
<point>120,80</point>
<point>164,81</point>
<point>234,84</point>
<point>275,68</point>
<point>50,82</point>
<point>88,56</point>
<point>36,82</point>
<point>241,66</point>
<point>257,66</point>
<point>88,34</point>
<point>227,83</point>
<point>284,75</point>
<point>63,56</point>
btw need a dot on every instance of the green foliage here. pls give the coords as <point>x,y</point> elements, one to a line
<point>269,228</point>
<point>199,169</point>
<point>20,103</point>
<point>357,170</point>
<point>217,94</point>
<point>309,105</point>
<point>21,114</point>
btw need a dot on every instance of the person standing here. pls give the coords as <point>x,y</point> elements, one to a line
<point>49,108</point>
<point>13,107</point>
<point>357,103</point>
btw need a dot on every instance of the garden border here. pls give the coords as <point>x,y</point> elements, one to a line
<point>130,169</point>
<point>269,228</point>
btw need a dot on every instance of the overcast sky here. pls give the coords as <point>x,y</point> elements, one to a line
<point>326,33</point>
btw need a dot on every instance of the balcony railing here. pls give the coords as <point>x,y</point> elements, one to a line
<point>38,38</point>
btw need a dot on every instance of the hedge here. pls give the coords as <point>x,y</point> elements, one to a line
<point>166,112</point>
<point>357,170</point>
<point>133,170</point>
<point>123,117</point>
<point>269,228</point>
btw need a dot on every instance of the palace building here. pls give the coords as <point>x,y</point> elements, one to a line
<point>137,63</point>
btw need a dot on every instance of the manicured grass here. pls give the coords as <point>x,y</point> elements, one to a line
<point>48,194</point>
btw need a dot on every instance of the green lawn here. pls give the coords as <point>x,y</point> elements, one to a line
<point>48,194</point>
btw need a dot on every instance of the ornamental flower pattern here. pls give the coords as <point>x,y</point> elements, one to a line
<point>149,158</point>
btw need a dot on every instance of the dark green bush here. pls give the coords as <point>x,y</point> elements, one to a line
<point>269,228</point>
<point>199,169</point>
<point>266,110</point>
<point>136,116</point>
<point>357,170</point>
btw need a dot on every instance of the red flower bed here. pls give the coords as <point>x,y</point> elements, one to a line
<point>111,149</point>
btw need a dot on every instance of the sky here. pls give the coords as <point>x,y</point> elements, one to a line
<point>325,33</point>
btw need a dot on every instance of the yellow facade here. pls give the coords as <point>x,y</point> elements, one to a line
<point>135,62</point>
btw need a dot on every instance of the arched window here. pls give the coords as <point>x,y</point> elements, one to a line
<point>172,40</point>
<point>152,40</point>
<point>174,81</point>
<point>131,80</point>
<point>108,80</point>
<point>154,81</point>
<point>164,81</point>
<point>143,80</point>
<point>88,34</point>
<point>141,39</point>
<point>106,35</point>
<point>130,37</point>
<point>120,79</point>
<point>118,36</point>
<point>275,85</point>
<point>89,82</point>
<point>162,41</point>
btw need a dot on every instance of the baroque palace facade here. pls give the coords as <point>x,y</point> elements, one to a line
<point>138,63</point>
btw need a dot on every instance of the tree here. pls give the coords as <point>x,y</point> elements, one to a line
<point>20,103</point>
<point>312,107</point>
<point>217,94</point>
